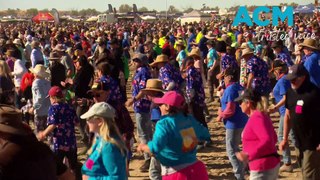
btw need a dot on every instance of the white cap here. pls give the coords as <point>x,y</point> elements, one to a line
<point>101,109</point>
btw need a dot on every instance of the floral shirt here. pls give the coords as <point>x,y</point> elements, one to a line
<point>139,82</point>
<point>115,94</point>
<point>168,74</point>
<point>285,58</point>
<point>243,72</point>
<point>64,118</point>
<point>228,61</point>
<point>194,83</point>
<point>259,69</point>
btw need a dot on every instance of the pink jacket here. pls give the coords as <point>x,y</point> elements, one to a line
<point>259,142</point>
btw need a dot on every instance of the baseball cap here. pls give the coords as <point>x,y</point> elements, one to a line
<point>139,57</point>
<point>171,98</point>
<point>55,91</point>
<point>296,71</point>
<point>249,94</point>
<point>101,109</point>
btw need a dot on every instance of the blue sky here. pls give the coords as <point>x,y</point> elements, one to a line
<point>159,5</point>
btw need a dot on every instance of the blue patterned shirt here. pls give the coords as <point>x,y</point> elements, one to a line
<point>115,94</point>
<point>228,61</point>
<point>139,82</point>
<point>285,58</point>
<point>194,83</point>
<point>168,74</point>
<point>64,118</point>
<point>259,69</point>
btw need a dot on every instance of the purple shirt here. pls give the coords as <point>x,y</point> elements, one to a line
<point>228,61</point>
<point>194,82</point>
<point>139,82</point>
<point>64,118</point>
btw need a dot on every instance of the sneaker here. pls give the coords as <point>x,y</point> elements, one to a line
<point>209,118</point>
<point>145,166</point>
<point>286,168</point>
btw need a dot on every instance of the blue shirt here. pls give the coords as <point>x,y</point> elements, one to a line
<point>194,83</point>
<point>115,94</point>
<point>175,139</point>
<point>211,56</point>
<point>228,61</point>
<point>40,89</point>
<point>168,74</point>
<point>285,58</point>
<point>238,119</point>
<point>105,163</point>
<point>64,118</point>
<point>181,57</point>
<point>139,82</point>
<point>312,64</point>
<point>190,40</point>
<point>279,90</point>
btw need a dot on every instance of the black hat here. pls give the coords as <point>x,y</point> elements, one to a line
<point>279,64</point>
<point>221,46</point>
<point>296,71</point>
<point>276,44</point>
<point>114,41</point>
<point>210,42</point>
<point>250,95</point>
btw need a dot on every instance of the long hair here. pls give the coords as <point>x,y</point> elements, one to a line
<point>110,133</point>
<point>4,69</point>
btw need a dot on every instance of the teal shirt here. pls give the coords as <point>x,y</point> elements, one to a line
<point>105,163</point>
<point>211,57</point>
<point>175,139</point>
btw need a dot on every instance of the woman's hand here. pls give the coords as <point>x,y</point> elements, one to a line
<point>242,156</point>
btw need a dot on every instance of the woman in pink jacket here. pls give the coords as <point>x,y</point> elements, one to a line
<point>259,139</point>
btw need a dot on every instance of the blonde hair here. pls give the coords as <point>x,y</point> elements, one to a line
<point>4,69</point>
<point>110,133</point>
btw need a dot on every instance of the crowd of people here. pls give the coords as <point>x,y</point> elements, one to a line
<point>60,78</point>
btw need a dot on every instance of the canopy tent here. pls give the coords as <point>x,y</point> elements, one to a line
<point>195,16</point>
<point>43,16</point>
<point>305,9</point>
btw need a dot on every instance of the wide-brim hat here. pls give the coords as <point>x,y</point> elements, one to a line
<point>244,46</point>
<point>39,70</point>
<point>310,43</point>
<point>210,35</point>
<point>160,59</point>
<point>17,41</point>
<point>154,85</point>
<point>247,51</point>
<point>54,56</point>
<point>99,39</point>
<point>11,121</point>
<point>60,48</point>
<point>195,52</point>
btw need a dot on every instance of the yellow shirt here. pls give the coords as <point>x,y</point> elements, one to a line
<point>199,36</point>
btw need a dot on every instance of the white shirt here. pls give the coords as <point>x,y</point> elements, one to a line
<point>19,70</point>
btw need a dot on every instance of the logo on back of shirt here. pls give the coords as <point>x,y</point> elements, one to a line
<point>189,139</point>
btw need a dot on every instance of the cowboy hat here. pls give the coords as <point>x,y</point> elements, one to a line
<point>99,40</point>
<point>60,48</point>
<point>310,43</point>
<point>210,35</point>
<point>247,51</point>
<point>154,85</point>
<point>244,46</point>
<point>11,121</point>
<point>54,56</point>
<point>195,52</point>
<point>39,70</point>
<point>160,59</point>
<point>17,41</point>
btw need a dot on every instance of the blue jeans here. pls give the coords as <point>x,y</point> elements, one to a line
<point>144,127</point>
<point>286,155</point>
<point>233,139</point>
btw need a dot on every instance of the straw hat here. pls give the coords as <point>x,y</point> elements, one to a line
<point>54,56</point>
<point>17,42</point>
<point>160,59</point>
<point>99,40</point>
<point>154,85</point>
<point>310,43</point>
<point>244,45</point>
<point>39,70</point>
<point>195,52</point>
<point>247,51</point>
<point>210,35</point>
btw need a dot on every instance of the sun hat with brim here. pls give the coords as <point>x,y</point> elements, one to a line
<point>60,48</point>
<point>11,121</point>
<point>247,51</point>
<point>160,59</point>
<point>249,94</point>
<point>99,86</point>
<point>244,46</point>
<point>210,35</point>
<point>154,85</point>
<point>100,109</point>
<point>171,98</point>
<point>55,91</point>
<point>54,56</point>
<point>310,43</point>
<point>39,70</point>
<point>17,41</point>
<point>195,52</point>
<point>295,71</point>
<point>99,40</point>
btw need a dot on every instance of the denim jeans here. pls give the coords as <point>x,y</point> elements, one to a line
<point>271,174</point>
<point>233,139</point>
<point>144,127</point>
<point>286,155</point>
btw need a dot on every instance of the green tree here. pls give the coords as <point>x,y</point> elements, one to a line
<point>74,12</point>
<point>44,10</point>
<point>125,8</point>
<point>11,12</point>
<point>173,9</point>
<point>32,12</point>
<point>143,9</point>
